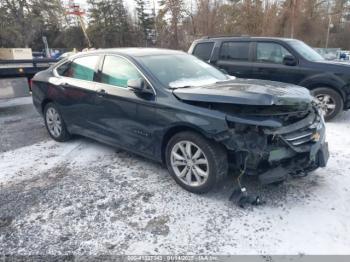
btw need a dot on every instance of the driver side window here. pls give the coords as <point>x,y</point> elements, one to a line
<point>271,53</point>
<point>117,71</point>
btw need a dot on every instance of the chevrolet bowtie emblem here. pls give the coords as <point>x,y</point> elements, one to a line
<point>316,137</point>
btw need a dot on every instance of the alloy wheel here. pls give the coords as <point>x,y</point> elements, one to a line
<point>54,122</point>
<point>189,163</point>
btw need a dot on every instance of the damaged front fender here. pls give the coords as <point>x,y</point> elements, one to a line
<point>266,147</point>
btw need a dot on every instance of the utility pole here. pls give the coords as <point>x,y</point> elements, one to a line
<point>155,21</point>
<point>294,2</point>
<point>328,29</point>
<point>329,23</point>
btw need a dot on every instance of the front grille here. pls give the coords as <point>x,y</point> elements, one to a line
<point>300,135</point>
<point>299,138</point>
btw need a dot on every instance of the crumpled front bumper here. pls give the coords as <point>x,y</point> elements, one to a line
<point>306,143</point>
<point>318,157</point>
<point>274,153</point>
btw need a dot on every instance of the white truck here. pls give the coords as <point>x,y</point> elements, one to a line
<point>17,67</point>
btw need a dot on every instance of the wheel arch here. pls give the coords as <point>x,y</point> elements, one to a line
<point>320,85</point>
<point>44,103</point>
<point>175,130</point>
<point>328,81</point>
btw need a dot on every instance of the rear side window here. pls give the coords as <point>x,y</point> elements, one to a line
<point>270,53</point>
<point>82,68</point>
<point>203,50</point>
<point>238,51</point>
<point>117,71</point>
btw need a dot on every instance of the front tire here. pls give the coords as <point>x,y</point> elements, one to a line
<point>55,124</point>
<point>196,163</point>
<point>331,101</point>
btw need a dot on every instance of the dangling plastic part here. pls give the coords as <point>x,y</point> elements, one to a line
<point>240,195</point>
<point>241,198</point>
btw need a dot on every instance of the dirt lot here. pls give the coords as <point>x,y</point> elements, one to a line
<point>83,197</point>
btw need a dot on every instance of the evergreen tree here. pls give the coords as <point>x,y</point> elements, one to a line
<point>109,24</point>
<point>145,20</point>
<point>24,22</point>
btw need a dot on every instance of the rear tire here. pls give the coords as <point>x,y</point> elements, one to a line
<point>331,101</point>
<point>55,124</point>
<point>196,163</point>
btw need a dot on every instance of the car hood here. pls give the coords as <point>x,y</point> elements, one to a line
<point>246,92</point>
<point>337,67</point>
<point>336,63</point>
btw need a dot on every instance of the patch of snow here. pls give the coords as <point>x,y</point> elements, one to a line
<point>83,197</point>
<point>15,101</point>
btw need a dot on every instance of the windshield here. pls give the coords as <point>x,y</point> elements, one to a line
<point>306,51</point>
<point>176,71</point>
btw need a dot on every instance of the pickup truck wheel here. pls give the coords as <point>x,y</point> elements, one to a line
<point>196,164</point>
<point>331,101</point>
<point>54,123</point>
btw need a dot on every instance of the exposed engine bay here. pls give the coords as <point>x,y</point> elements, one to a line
<point>271,142</point>
<point>273,130</point>
<point>287,144</point>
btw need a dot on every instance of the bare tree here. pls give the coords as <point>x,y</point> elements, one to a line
<point>175,10</point>
<point>178,22</point>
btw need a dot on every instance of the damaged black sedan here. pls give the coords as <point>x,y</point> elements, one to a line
<point>174,108</point>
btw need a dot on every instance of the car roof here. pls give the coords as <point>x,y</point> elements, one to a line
<point>135,52</point>
<point>242,38</point>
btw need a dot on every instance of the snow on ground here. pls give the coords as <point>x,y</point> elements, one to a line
<point>83,197</point>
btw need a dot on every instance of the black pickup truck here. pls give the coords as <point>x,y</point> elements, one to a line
<point>283,60</point>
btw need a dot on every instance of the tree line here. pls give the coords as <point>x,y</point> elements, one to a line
<point>172,23</point>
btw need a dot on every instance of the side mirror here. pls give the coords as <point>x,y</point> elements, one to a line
<point>290,60</point>
<point>138,86</point>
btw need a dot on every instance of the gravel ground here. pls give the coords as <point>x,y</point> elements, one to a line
<point>83,197</point>
<point>18,118</point>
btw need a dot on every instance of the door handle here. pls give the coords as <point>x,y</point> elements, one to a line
<point>62,84</point>
<point>101,92</point>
